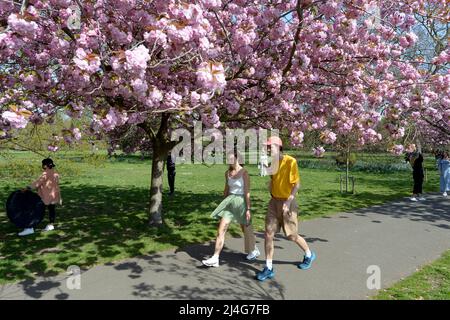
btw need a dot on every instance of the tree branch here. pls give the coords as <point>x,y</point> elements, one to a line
<point>69,33</point>
<point>299,10</point>
<point>27,148</point>
<point>147,128</point>
<point>226,34</point>
<point>24,6</point>
<point>244,63</point>
<point>444,129</point>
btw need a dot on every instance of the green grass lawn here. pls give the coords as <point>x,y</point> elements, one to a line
<point>104,212</point>
<point>432,282</point>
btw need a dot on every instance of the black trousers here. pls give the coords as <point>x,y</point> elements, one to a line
<point>418,182</point>
<point>51,212</point>
<point>171,178</point>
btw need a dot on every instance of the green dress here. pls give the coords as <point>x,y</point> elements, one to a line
<point>233,207</point>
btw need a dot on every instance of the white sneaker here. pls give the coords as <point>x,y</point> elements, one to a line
<point>422,198</point>
<point>414,199</point>
<point>253,255</point>
<point>49,227</point>
<point>444,194</point>
<point>26,232</point>
<point>211,262</point>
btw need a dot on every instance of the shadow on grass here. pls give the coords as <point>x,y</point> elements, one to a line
<point>311,208</point>
<point>98,224</point>
<point>371,190</point>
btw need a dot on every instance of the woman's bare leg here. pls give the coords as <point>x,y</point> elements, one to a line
<point>220,240</point>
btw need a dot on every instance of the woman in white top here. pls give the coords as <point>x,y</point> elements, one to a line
<point>234,208</point>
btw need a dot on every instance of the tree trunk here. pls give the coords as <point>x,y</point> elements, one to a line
<point>347,169</point>
<point>156,188</point>
<point>161,146</point>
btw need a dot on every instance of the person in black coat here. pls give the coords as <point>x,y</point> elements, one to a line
<point>170,164</point>
<point>416,160</point>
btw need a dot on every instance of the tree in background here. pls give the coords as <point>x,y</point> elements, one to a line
<point>422,115</point>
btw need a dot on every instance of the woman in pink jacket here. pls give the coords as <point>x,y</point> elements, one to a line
<point>48,189</point>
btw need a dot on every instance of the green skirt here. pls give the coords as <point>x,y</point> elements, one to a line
<point>232,208</point>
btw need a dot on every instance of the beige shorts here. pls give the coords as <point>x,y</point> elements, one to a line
<point>276,219</point>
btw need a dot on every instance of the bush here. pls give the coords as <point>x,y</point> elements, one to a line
<point>317,164</point>
<point>377,167</point>
<point>360,166</point>
<point>129,158</point>
<point>96,160</point>
<point>341,160</point>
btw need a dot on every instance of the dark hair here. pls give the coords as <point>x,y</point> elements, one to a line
<point>48,163</point>
<point>439,154</point>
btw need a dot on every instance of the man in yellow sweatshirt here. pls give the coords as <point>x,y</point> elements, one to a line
<point>283,209</point>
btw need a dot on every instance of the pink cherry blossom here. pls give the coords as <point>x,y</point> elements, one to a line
<point>328,137</point>
<point>318,151</point>
<point>444,57</point>
<point>89,63</point>
<point>397,149</point>
<point>297,138</point>
<point>16,120</point>
<point>76,134</point>
<point>21,26</point>
<point>136,59</point>
<point>211,76</point>
<point>156,36</point>
<point>212,4</point>
<point>110,121</point>
<point>52,148</point>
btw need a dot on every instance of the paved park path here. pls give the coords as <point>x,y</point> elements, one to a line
<point>398,237</point>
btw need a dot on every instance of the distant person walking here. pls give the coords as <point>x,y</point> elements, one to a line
<point>283,209</point>
<point>234,208</point>
<point>444,172</point>
<point>415,159</point>
<point>94,148</point>
<point>263,164</point>
<point>170,164</point>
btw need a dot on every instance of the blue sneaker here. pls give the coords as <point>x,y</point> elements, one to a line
<point>307,262</point>
<point>265,274</point>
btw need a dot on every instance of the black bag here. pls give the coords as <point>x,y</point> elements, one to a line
<point>25,209</point>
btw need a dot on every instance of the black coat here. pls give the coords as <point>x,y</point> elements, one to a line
<point>418,167</point>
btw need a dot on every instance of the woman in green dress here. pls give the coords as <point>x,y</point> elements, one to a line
<point>234,208</point>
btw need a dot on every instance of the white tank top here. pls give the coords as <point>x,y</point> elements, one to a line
<point>236,185</point>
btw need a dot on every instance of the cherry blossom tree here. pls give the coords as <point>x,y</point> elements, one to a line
<point>429,105</point>
<point>125,63</point>
<point>327,66</point>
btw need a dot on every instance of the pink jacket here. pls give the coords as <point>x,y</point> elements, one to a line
<point>48,187</point>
